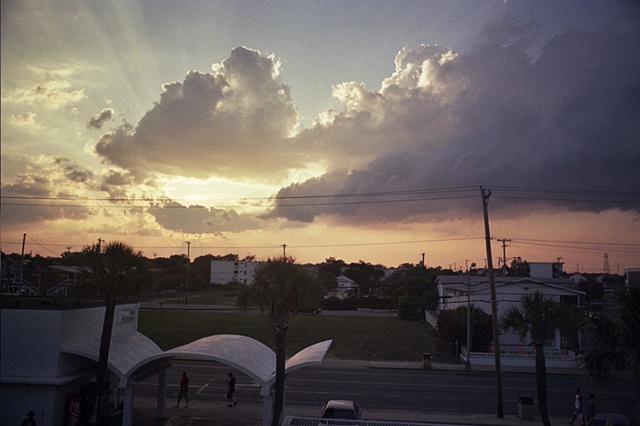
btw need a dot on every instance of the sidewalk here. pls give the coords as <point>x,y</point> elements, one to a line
<point>218,414</point>
<point>201,413</point>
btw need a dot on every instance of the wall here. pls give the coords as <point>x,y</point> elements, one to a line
<point>30,340</point>
<point>225,271</point>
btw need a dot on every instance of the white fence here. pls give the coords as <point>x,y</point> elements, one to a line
<point>317,421</point>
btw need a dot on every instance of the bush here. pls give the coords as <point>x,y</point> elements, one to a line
<point>409,309</point>
<point>452,327</point>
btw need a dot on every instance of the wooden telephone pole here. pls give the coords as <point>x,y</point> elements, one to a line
<point>494,303</point>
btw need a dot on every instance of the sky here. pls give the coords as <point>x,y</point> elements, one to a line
<point>360,130</point>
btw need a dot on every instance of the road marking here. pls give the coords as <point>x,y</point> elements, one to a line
<point>202,388</point>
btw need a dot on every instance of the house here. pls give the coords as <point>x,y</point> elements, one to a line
<point>578,278</point>
<point>27,278</point>
<point>344,287</point>
<point>228,271</point>
<point>632,277</point>
<point>455,291</point>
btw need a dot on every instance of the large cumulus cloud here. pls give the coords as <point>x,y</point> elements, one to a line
<point>493,116</point>
<point>234,122</point>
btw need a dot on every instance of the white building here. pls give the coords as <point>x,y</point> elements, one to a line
<point>228,271</point>
<point>344,286</point>
<point>49,352</point>
<point>453,291</point>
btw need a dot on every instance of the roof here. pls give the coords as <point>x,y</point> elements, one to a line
<point>481,283</point>
<point>131,354</point>
<point>125,352</point>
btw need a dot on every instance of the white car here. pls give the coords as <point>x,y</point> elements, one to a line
<point>341,409</point>
<point>612,419</point>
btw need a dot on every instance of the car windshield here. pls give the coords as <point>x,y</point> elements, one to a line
<point>614,422</point>
<point>337,413</point>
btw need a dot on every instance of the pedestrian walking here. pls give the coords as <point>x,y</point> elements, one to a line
<point>230,390</point>
<point>591,408</point>
<point>29,421</point>
<point>184,389</point>
<point>577,407</point>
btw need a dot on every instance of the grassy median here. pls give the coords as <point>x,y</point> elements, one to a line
<point>364,338</point>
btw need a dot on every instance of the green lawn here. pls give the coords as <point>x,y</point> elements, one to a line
<point>214,296</point>
<point>364,338</point>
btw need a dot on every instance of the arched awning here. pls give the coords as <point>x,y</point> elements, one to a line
<point>133,357</point>
<point>125,352</point>
<point>130,355</point>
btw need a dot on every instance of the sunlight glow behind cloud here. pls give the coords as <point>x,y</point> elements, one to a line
<point>177,123</point>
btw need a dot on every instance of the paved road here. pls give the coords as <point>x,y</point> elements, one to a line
<point>409,389</point>
<point>441,395</point>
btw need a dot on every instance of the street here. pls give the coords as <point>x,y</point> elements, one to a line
<point>456,392</point>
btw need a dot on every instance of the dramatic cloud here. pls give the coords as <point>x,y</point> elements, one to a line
<point>494,116</point>
<point>199,219</point>
<point>44,180</point>
<point>97,122</point>
<point>234,122</point>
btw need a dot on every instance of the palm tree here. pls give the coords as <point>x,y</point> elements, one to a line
<point>615,339</point>
<point>536,317</point>
<point>280,286</point>
<point>112,269</point>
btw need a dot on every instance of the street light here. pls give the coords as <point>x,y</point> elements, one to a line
<point>468,361</point>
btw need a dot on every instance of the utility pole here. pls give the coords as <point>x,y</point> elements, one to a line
<point>24,239</point>
<point>284,251</point>
<point>494,303</point>
<point>504,242</point>
<point>186,282</point>
<point>606,268</point>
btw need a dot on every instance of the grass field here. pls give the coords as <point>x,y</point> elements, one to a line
<point>363,338</point>
<point>214,296</point>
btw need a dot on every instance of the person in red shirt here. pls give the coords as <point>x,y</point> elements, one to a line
<point>184,389</point>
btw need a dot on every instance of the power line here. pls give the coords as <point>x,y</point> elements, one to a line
<point>435,194</point>
<point>605,246</point>
<point>288,245</point>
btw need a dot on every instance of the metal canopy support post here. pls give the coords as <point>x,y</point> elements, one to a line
<point>127,412</point>
<point>161,395</point>
<point>267,405</point>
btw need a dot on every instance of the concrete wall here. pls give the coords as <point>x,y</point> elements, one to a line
<point>30,342</point>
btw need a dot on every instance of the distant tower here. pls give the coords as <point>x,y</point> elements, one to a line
<point>606,269</point>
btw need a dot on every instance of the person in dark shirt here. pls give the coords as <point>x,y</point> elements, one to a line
<point>29,421</point>
<point>230,390</point>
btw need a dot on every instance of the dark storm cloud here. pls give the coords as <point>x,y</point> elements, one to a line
<point>494,116</point>
<point>104,116</point>
<point>73,172</point>
<point>198,219</point>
